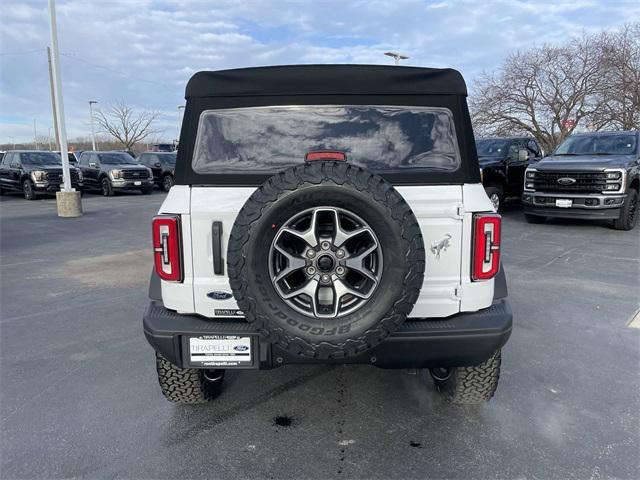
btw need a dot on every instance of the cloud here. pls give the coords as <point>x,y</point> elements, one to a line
<point>144,52</point>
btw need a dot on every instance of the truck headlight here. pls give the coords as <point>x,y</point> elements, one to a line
<point>612,186</point>
<point>531,174</point>
<point>116,174</point>
<point>80,177</point>
<point>38,176</point>
<point>613,175</point>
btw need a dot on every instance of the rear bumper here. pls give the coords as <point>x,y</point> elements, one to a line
<point>461,340</point>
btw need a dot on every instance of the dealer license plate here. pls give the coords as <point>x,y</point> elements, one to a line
<point>220,351</point>
<point>563,203</point>
<point>137,183</point>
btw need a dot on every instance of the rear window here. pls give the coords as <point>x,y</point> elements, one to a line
<point>380,138</point>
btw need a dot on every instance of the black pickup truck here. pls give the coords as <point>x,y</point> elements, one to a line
<point>503,161</point>
<point>593,176</point>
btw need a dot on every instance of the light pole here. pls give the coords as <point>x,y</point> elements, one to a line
<point>93,133</point>
<point>396,56</point>
<point>35,135</point>
<point>180,108</point>
<point>13,140</point>
<point>67,199</point>
<point>49,138</point>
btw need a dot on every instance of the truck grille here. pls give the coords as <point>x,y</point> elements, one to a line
<point>135,174</point>
<point>585,182</point>
<point>56,176</point>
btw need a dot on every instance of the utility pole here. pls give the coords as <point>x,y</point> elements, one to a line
<point>13,140</point>
<point>396,56</point>
<point>35,135</point>
<point>93,133</point>
<point>49,138</point>
<point>68,200</point>
<point>53,100</point>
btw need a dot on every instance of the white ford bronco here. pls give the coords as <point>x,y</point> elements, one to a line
<point>327,214</point>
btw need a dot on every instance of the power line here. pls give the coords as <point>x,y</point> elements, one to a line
<point>113,70</point>
<point>23,53</point>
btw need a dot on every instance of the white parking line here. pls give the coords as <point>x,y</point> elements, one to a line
<point>635,321</point>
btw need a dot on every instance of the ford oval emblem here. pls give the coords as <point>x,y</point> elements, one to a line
<point>566,181</point>
<point>215,295</point>
<point>241,348</point>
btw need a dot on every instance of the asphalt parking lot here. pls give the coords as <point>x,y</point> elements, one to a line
<point>79,396</point>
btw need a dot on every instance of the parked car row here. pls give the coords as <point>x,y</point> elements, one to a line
<point>593,176</point>
<point>34,172</point>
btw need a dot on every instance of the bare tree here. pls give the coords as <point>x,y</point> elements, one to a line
<point>545,91</point>
<point>126,126</point>
<point>619,101</point>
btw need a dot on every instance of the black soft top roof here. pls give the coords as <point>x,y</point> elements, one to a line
<point>326,80</point>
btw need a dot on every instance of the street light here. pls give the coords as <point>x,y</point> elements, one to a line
<point>93,133</point>
<point>396,56</point>
<point>13,140</point>
<point>49,138</point>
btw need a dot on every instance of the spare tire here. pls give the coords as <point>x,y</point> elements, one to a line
<point>326,259</point>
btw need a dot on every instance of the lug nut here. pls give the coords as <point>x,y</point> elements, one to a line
<point>325,278</point>
<point>311,253</point>
<point>311,270</point>
<point>340,270</point>
<point>325,245</point>
<point>340,253</point>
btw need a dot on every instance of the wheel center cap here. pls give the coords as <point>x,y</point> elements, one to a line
<point>325,263</point>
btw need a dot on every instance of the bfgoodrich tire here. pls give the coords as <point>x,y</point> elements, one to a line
<point>326,188</point>
<point>469,385</point>
<point>186,385</point>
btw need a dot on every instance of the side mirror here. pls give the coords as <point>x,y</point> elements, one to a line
<point>523,155</point>
<point>93,164</point>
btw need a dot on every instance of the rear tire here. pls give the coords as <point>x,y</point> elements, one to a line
<point>534,218</point>
<point>469,385</point>
<point>27,190</point>
<point>107,188</point>
<point>187,386</point>
<point>628,213</point>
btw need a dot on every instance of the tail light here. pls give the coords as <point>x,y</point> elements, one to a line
<point>166,247</point>
<point>325,155</point>
<point>486,246</point>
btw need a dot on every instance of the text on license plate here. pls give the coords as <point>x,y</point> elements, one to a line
<point>563,203</point>
<point>220,350</point>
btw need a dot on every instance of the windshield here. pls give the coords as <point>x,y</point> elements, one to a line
<point>492,148</point>
<point>115,158</point>
<point>598,145</point>
<point>169,158</point>
<point>380,138</point>
<point>40,158</point>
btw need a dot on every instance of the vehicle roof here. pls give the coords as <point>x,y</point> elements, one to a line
<point>31,151</point>
<point>612,132</point>
<point>326,80</point>
<point>150,152</point>
<point>516,137</point>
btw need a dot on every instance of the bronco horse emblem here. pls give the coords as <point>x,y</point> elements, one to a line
<point>437,247</point>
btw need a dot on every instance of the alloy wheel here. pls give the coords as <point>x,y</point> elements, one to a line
<point>325,262</point>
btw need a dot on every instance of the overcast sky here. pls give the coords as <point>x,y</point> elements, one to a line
<point>143,52</point>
